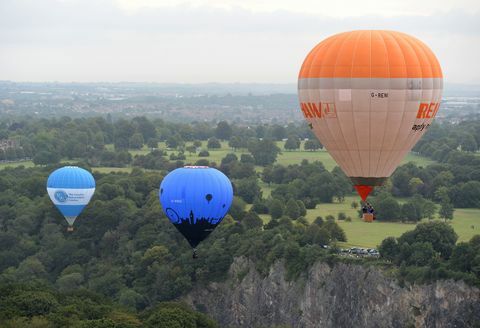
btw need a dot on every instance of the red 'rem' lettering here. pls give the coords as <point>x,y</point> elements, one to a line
<point>427,110</point>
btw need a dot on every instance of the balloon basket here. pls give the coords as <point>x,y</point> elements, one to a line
<point>69,228</point>
<point>368,217</point>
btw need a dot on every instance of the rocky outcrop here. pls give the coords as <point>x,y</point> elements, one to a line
<point>345,295</point>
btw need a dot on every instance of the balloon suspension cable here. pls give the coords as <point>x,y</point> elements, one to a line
<point>194,255</point>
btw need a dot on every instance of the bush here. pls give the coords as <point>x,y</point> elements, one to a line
<point>202,162</point>
<point>179,157</point>
<point>342,216</point>
<point>213,143</point>
<point>203,153</point>
<point>330,218</point>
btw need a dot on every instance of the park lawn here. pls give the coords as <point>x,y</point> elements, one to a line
<point>418,160</point>
<point>266,188</point>
<point>463,220</point>
<point>16,164</point>
<point>106,169</point>
<point>284,158</point>
<point>297,156</point>
<point>334,208</point>
<point>370,235</point>
<point>143,151</point>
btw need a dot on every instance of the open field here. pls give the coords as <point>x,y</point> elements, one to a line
<point>216,155</point>
<point>104,169</point>
<point>364,234</point>
<point>16,163</point>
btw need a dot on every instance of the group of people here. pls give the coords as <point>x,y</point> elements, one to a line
<point>368,208</point>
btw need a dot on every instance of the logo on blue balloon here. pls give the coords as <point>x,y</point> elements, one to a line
<point>61,196</point>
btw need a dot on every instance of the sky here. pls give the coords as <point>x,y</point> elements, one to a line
<point>225,41</point>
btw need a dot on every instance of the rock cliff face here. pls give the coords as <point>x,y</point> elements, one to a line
<point>346,295</point>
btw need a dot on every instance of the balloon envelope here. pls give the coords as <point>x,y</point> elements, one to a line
<point>369,96</point>
<point>70,188</point>
<point>196,199</point>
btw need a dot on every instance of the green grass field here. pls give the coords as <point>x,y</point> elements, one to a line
<point>104,169</point>
<point>284,158</point>
<point>364,234</point>
<point>16,163</point>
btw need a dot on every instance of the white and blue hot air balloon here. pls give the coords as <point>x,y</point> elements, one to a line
<point>70,188</point>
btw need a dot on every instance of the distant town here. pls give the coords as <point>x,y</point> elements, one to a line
<point>237,103</point>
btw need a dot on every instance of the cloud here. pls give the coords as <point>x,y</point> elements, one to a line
<point>201,41</point>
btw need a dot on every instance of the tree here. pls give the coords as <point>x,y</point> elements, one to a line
<point>446,210</point>
<point>235,142</point>
<point>312,144</point>
<point>316,235</point>
<point>237,209</point>
<point>213,143</point>
<point>462,257</point>
<point>292,143</point>
<point>468,195</point>
<point>46,157</point>
<point>278,132</point>
<point>429,209</point>
<point>439,234</point>
<point>136,141</point>
<point>415,184</point>
<point>292,210</point>
<point>145,127</point>
<point>276,209</point>
<point>409,212</point>
<point>422,254</point>
<point>264,151</point>
<point>229,158</point>
<point>247,158</point>
<point>389,248</point>
<point>152,143</point>
<point>301,206</point>
<point>387,208</point>
<point>335,231</point>
<point>177,315</point>
<point>174,141</point>
<point>10,154</point>
<point>223,130</point>
<point>248,189</point>
<point>468,143</point>
<point>191,149</point>
<point>252,220</point>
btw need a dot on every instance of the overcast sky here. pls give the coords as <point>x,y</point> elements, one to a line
<point>198,41</point>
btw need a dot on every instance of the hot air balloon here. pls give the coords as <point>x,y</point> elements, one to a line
<point>369,96</point>
<point>70,188</point>
<point>195,199</point>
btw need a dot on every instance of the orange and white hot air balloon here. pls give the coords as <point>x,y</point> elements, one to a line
<point>369,96</point>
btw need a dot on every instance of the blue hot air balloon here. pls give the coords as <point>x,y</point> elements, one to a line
<point>196,199</point>
<point>70,188</point>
